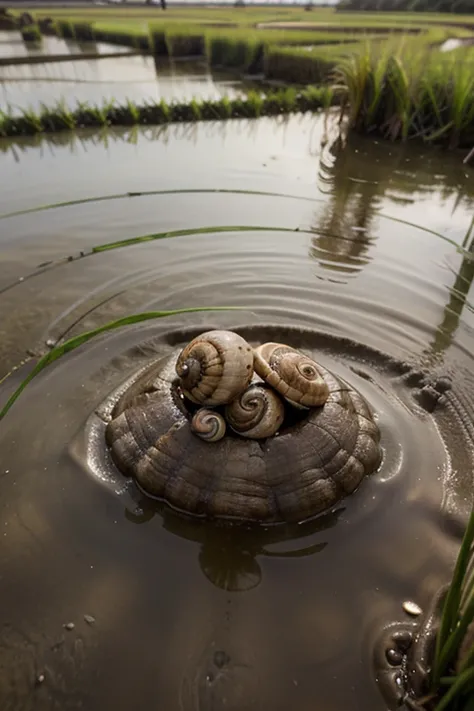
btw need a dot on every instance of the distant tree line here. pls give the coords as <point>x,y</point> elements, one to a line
<point>466,6</point>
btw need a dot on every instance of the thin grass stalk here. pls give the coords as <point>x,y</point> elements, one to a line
<point>449,617</point>
<point>463,682</point>
<point>399,84</point>
<point>73,343</point>
<point>451,647</point>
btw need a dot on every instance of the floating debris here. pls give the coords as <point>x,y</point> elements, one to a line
<point>40,678</point>
<point>411,608</point>
<point>89,619</point>
<point>69,625</point>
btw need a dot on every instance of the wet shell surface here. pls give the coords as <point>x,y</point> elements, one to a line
<point>215,367</point>
<point>295,376</point>
<point>316,459</point>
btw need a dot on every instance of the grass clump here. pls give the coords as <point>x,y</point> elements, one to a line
<point>83,32</point>
<point>31,33</point>
<point>184,42</point>
<point>117,33</point>
<point>235,51</point>
<point>403,93</point>
<point>303,66</point>
<point>59,118</point>
<point>157,40</point>
<point>7,21</point>
<point>452,675</point>
<point>65,29</point>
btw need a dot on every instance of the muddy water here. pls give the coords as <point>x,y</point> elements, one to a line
<point>354,253</point>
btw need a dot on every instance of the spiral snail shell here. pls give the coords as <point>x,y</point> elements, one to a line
<point>215,367</point>
<point>209,425</point>
<point>294,375</point>
<point>257,413</point>
<point>319,457</point>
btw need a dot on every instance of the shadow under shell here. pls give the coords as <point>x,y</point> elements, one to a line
<point>319,456</point>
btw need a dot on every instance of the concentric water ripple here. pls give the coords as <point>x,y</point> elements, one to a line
<point>193,616</point>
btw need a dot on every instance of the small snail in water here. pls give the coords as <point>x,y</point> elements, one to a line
<point>215,367</point>
<point>291,373</point>
<point>183,456</point>
<point>257,413</point>
<point>208,425</point>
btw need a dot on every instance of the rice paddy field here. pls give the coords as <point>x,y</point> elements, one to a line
<point>294,176</point>
<point>355,57</point>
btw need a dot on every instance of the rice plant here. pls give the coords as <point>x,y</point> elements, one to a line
<point>301,66</point>
<point>65,29</point>
<point>234,51</point>
<point>403,92</point>
<point>185,43</point>
<point>31,33</point>
<point>59,117</point>
<point>452,676</point>
<point>83,32</point>
<point>157,40</point>
<point>60,350</point>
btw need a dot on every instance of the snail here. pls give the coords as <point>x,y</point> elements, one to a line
<point>209,425</point>
<point>317,459</point>
<point>257,413</point>
<point>215,367</point>
<point>295,376</point>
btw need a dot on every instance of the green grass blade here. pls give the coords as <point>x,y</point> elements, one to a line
<point>186,232</point>
<point>77,341</point>
<point>462,681</point>
<point>452,604</point>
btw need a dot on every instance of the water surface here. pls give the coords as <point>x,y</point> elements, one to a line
<point>138,78</point>
<point>330,242</point>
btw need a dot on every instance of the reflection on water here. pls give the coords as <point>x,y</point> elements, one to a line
<point>228,558</point>
<point>13,45</point>
<point>138,78</point>
<point>343,248</point>
<point>344,226</point>
<point>458,294</point>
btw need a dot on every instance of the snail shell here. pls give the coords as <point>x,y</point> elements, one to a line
<point>294,375</point>
<point>257,413</point>
<point>215,367</point>
<point>208,425</point>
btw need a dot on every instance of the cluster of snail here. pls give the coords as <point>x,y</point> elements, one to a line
<point>219,369</point>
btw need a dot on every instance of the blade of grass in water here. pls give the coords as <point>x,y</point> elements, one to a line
<point>450,649</point>
<point>77,341</point>
<point>183,233</point>
<point>462,681</point>
<point>449,618</point>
